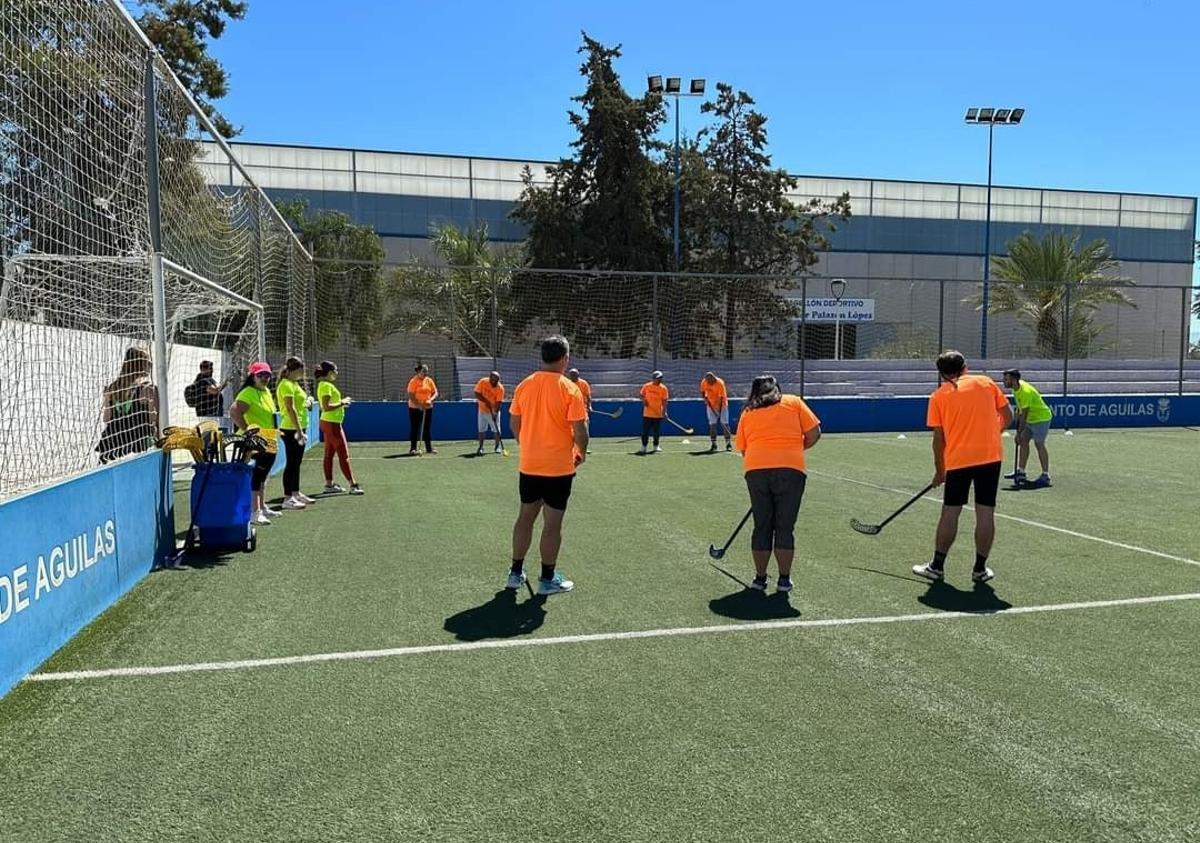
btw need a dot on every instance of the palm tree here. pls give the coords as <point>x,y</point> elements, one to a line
<point>465,298</point>
<point>1032,281</point>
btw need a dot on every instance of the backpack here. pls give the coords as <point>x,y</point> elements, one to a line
<point>192,393</point>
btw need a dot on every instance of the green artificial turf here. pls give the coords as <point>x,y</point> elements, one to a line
<point>1075,725</point>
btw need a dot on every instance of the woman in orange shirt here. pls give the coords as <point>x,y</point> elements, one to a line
<point>422,392</point>
<point>773,433</point>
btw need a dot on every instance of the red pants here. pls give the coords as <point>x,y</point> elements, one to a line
<point>335,443</point>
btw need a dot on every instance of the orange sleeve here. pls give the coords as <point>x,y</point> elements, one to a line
<point>576,408</point>
<point>740,436</point>
<point>933,417</point>
<point>808,419</point>
<point>666,393</point>
<point>514,408</point>
<point>1001,398</point>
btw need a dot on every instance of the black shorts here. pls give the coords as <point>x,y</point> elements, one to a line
<point>552,491</point>
<point>986,479</point>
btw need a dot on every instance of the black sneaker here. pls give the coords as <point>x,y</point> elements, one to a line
<point>784,584</point>
<point>758,584</point>
<point>984,575</point>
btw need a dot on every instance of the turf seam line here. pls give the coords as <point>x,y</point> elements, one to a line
<point>509,643</point>
<point>1019,520</point>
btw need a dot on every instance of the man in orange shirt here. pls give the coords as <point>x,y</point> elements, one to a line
<point>654,407</point>
<point>716,406</point>
<point>773,433</point>
<point>489,392</point>
<point>967,413</point>
<point>549,421</point>
<point>584,387</point>
<point>422,392</point>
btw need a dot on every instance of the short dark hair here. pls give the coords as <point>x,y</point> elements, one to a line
<point>555,348</point>
<point>1013,373</point>
<point>951,364</point>
<point>206,364</point>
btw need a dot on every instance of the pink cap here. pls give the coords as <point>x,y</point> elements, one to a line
<point>260,368</point>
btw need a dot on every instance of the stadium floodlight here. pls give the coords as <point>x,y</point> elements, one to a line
<point>673,86</point>
<point>992,117</point>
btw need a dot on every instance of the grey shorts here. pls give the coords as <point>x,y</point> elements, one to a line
<point>1037,432</point>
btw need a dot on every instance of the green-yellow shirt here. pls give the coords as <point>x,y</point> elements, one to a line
<point>1029,398</point>
<point>288,387</point>
<point>260,406</point>
<point>335,396</point>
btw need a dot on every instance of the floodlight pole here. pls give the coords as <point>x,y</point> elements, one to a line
<point>987,253</point>
<point>678,171</point>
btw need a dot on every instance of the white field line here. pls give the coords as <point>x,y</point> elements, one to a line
<point>509,643</point>
<point>1025,521</point>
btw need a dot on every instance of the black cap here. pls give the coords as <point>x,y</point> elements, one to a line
<point>1016,373</point>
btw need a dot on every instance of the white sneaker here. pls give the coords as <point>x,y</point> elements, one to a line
<point>984,575</point>
<point>658,449</point>
<point>929,572</point>
<point>515,581</point>
<point>305,498</point>
<point>271,513</point>
<point>294,503</point>
<point>333,489</point>
<point>641,452</point>
<point>356,489</point>
<point>260,519</point>
<point>557,585</point>
<point>498,450</point>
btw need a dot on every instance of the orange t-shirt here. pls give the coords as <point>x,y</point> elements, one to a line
<point>549,405</point>
<point>423,387</point>
<point>968,414</point>
<point>773,437</point>
<point>495,394</point>
<point>715,394</point>
<point>655,395</point>
<point>585,388</point>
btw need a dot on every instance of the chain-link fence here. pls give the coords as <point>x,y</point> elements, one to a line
<point>123,265</point>
<point>824,336</point>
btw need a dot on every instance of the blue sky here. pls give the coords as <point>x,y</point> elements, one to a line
<point>859,88</point>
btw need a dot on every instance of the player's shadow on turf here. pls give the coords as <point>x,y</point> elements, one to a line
<point>981,599</point>
<point>750,605</point>
<point>500,617</point>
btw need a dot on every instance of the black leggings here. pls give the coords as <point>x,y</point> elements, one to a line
<point>414,427</point>
<point>262,470</point>
<point>294,452</point>
<point>775,495</point>
<point>649,427</point>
